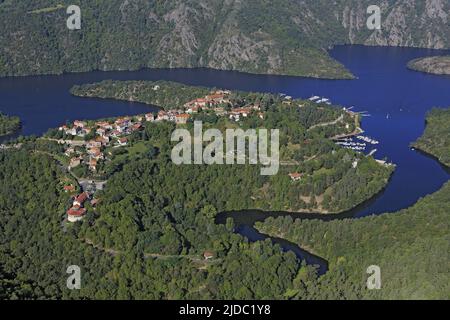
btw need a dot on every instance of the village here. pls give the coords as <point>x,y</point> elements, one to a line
<point>90,143</point>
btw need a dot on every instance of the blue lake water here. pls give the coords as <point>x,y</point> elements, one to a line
<point>384,87</point>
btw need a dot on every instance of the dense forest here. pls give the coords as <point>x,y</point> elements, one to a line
<point>147,236</point>
<point>161,240</point>
<point>411,248</point>
<point>277,37</point>
<point>436,139</point>
<point>8,124</point>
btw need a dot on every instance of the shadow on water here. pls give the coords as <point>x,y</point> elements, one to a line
<point>434,158</point>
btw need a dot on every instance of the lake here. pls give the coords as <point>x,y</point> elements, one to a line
<point>396,98</point>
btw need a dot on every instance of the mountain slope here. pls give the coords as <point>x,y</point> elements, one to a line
<point>276,37</point>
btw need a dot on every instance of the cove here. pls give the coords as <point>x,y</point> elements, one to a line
<point>396,98</point>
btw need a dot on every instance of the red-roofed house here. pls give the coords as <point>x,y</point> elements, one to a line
<point>182,118</point>
<point>208,255</point>
<point>93,164</point>
<point>69,188</point>
<point>295,176</point>
<point>79,124</point>
<point>76,213</point>
<point>80,199</point>
<point>123,141</point>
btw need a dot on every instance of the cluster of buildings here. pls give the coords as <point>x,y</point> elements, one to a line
<point>216,102</point>
<point>105,134</point>
<point>78,211</point>
<point>114,134</point>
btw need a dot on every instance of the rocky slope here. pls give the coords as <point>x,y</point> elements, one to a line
<point>278,37</point>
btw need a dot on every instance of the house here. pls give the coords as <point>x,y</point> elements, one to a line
<point>74,162</point>
<point>162,116</point>
<point>96,154</point>
<point>101,131</point>
<point>295,176</point>
<point>123,141</point>
<point>69,188</point>
<point>93,144</point>
<point>243,111</point>
<point>93,151</point>
<point>74,131</point>
<point>215,98</point>
<point>121,128</point>
<point>199,102</point>
<point>234,116</point>
<point>104,125</point>
<point>208,255</point>
<point>136,127</point>
<point>93,164</point>
<point>80,199</point>
<point>76,213</point>
<point>79,124</point>
<point>116,133</point>
<point>182,118</point>
<point>69,151</point>
<point>193,109</point>
<point>103,140</point>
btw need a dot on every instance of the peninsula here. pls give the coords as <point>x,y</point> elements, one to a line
<point>317,174</point>
<point>436,139</point>
<point>436,65</point>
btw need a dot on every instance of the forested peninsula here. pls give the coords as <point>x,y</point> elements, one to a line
<point>436,139</point>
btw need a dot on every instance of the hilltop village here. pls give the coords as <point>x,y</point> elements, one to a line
<point>96,136</point>
<point>91,146</point>
<point>90,143</point>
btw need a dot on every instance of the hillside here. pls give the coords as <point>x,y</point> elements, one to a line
<point>410,247</point>
<point>435,65</point>
<point>8,124</point>
<point>436,139</point>
<point>277,37</point>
